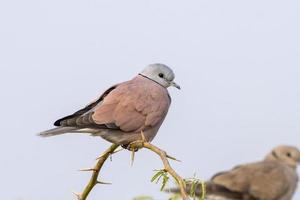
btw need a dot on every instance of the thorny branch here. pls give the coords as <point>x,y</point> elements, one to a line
<point>94,179</point>
<point>135,145</point>
<point>164,157</point>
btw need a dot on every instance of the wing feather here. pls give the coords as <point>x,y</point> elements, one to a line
<point>131,106</point>
<point>262,180</point>
<point>82,118</point>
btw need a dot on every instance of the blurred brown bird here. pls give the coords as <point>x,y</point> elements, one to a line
<point>274,178</point>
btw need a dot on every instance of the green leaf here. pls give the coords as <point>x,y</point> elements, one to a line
<point>193,189</point>
<point>203,187</point>
<point>161,174</point>
<point>158,174</point>
<point>165,181</point>
<point>194,183</point>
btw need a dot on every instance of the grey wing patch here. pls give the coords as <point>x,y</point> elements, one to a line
<point>83,118</point>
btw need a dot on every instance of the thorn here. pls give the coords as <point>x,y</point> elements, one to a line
<point>101,156</point>
<point>172,158</point>
<point>118,150</point>
<point>88,170</point>
<point>103,183</point>
<point>78,195</point>
<point>132,157</point>
<point>109,154</point>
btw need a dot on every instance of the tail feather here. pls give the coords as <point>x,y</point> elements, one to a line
<point>57,131</point>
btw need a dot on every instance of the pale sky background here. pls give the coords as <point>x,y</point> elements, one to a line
<point>237,62</point>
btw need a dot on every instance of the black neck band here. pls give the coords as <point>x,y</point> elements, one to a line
<point>151,79</point>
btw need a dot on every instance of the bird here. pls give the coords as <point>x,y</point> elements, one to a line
<point>273,178</point>
<point>126,112</point>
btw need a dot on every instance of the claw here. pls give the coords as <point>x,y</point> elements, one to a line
<point>133,146</point>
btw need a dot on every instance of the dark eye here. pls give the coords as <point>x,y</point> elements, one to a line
<point>289,154</point>
<point>161,75</point>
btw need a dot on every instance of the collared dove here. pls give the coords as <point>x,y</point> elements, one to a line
<point>125,110</point>
<point>274,178</point>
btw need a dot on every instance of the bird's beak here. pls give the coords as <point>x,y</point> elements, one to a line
<point>175,85</point>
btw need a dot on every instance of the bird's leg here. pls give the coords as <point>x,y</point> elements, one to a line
<point>135,146</point>
<point>143,136</point>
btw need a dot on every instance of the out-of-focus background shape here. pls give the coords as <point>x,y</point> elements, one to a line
<point>237,62</point>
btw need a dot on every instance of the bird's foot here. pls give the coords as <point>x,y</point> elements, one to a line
<point>135,145</point>
<point>130,147</point>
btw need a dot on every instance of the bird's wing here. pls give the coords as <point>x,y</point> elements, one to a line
<point>134,106</point>
<point>83,116</point>
<point>129,106</point>
<point>261,180</point>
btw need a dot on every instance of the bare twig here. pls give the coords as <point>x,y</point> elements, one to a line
<point>94,179</point>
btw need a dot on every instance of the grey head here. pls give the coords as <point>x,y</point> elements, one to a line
<point>288,155</point>
<point>161,74</point>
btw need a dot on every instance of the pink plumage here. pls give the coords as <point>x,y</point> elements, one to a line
<point>125,110</point>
